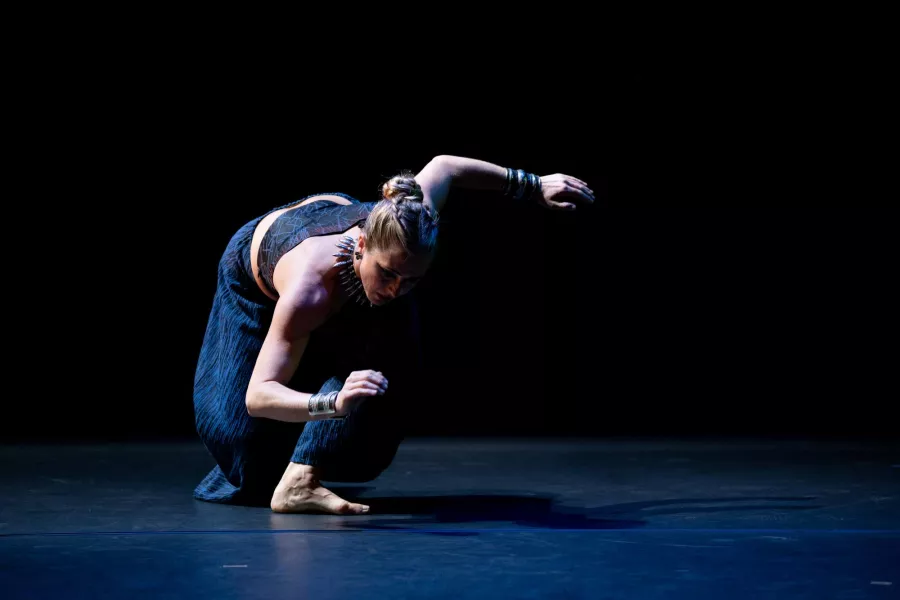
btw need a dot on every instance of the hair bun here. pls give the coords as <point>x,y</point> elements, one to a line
<point>402,188</point>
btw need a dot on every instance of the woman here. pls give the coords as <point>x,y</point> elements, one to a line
<point>312,296</point>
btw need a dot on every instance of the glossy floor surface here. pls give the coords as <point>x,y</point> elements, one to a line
<point>467,518</point>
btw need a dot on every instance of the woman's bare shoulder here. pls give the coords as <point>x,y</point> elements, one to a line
<point>307,274</point>
<point>306,299</point>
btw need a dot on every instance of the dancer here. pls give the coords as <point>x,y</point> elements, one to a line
<point>311,350</point>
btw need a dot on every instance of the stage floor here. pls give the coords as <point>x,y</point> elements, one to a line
<point>467,518</point>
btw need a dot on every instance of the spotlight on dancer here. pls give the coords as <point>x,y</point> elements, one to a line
<point>311,331</point>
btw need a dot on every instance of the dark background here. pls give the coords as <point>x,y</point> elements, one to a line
<point>707,291</point>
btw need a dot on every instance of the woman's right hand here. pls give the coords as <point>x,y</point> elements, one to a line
<point>358,387</point>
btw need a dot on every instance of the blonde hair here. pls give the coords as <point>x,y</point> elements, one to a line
<point>402,219</point>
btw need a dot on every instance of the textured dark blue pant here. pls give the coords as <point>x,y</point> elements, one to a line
<point>252,453</point>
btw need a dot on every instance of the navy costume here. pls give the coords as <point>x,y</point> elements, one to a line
<point>252,453</point>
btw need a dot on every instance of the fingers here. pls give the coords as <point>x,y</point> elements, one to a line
<point>573,183</point>
<point>561,205</point>
<point>568,191</point>
<point>364,389</point>
<point>581,192</point>
<point>566,185</point>
<point>573,180</point>
<point>375,377</point>
<point>375,381</point>
<point>576,180</point>
<point>366,383</point>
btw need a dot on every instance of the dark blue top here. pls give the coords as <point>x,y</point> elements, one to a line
<point>321,217</point>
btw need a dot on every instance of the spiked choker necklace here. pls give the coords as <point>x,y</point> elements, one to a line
<point>350,281</point>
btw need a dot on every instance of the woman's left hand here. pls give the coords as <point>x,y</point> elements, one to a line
<point>562,192</point>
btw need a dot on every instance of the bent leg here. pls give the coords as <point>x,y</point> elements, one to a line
<point>237,325</point>
<point>363,444</point>
<point>356,448</point>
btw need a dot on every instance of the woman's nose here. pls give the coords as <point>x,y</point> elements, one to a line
<point>393,288</point>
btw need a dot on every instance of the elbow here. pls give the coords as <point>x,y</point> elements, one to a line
<point>253,400</point>
<point>446,164</point>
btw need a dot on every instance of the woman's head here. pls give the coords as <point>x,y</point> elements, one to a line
<point>398,240</point>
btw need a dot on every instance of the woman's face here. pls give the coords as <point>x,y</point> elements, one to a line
<point>388,274</point>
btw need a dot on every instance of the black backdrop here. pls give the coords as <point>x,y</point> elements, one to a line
<point>682,302</point>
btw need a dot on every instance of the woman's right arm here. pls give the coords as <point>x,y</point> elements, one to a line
<point>297,312</point>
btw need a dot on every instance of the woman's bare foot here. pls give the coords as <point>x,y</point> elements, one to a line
<point>300,491</point>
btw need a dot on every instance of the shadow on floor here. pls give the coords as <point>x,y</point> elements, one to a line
<point>682,506</point>
<point>542,511</point>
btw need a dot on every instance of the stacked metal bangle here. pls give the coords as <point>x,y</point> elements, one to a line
<point>521,185</point>
<point>323,404</point>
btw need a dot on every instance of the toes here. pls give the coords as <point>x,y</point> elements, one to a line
<point>351,508</point>
<point>319,500</point>
<point>341,507</point>
<point>333,503</point>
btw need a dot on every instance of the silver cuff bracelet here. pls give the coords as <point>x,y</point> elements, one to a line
<point>323,404</point>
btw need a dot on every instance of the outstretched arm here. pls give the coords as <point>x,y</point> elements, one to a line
<point>444,172</point>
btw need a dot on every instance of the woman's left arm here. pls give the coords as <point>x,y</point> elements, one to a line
<point>557,192</point>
